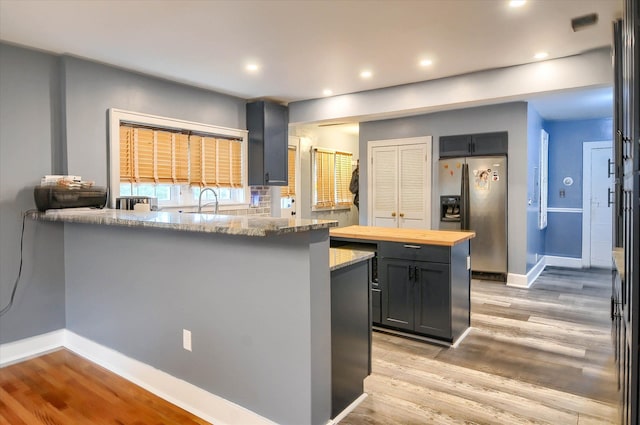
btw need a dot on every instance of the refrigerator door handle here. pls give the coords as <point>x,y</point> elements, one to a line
<point>464,198</point>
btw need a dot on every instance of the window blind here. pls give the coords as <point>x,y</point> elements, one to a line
<point>126,154</point>
<point>163,156</point>
<point>332,173</point>
<point>343,178</point>
<point>290,189</point>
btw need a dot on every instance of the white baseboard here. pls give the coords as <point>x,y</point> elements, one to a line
<point>350,408</point>
<point>569,262</point>
<point>17,351</point>
<point>517,280</point>
<point>201,403</point>
<point>525,281</point>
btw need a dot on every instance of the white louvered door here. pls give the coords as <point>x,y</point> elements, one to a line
<point>401,183</point>
<point>385,186</point>
<point>413,187</point>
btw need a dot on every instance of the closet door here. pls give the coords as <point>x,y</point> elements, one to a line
<point>414,187</point>
<point>400,182</point>
<point>384,169</point>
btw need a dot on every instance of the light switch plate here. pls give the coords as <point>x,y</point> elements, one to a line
<point>186,339</point>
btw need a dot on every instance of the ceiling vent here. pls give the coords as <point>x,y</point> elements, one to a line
<point>581,22</point>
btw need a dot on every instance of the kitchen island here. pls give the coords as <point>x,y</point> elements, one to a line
<point>421,279</point>
<point>350,327</point>
<point>254,293</point>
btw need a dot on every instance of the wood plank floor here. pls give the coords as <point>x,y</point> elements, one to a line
<point>534,356</point>
<point>61,388</point>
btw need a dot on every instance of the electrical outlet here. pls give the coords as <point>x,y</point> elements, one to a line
<point>186,339</point>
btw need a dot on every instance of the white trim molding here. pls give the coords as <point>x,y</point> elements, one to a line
<point>517,280</point>
<point>526,281</point>
<point>586,197</point>
<point>565,210</point>
<point>350,408</point>
<point>568,262</point>
<point>24,349</point>
<point>201,403</point>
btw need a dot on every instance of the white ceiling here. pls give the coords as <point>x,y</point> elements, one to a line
<point>305,46</point>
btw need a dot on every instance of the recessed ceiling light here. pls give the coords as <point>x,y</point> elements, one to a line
<point>425,62</point>
<point>327,92</point>
<point>366,74</point>
<point>541,55</point>
<point>517,3</point>
<point>252,67</point>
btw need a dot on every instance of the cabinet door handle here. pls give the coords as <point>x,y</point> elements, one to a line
<point>410,273</point>
<point>393,214</point>
<point>401,214</point>
<point>412,246</point>
<point>609,200</point>
<point>415,273</point>
<point>609,164</point>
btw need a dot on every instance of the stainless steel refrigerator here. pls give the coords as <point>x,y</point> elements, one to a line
<point>473,196</point>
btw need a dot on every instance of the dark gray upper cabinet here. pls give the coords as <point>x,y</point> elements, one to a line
<point>268,143</point>
<point>474,144</point>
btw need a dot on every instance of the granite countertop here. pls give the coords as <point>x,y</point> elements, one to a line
<point>340,257</point>
<point>417,236</point>
<point>185,222</point>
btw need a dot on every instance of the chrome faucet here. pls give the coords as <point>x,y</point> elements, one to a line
<point>200,199</point>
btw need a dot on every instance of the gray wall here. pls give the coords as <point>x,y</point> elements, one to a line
<point>261,337</point>
<point>29,148</point>
<point>91,89</point>
<point>511,117</point>
<point>53,119</point>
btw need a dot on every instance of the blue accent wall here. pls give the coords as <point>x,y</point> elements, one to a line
<point>564,229</point>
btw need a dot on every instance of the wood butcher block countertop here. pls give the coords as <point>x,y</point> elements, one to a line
<point>416,236</point>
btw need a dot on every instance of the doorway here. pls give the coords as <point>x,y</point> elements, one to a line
<point>597,185</point>
<point>288,194</point>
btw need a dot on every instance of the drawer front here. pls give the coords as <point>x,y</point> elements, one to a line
<point>415,252</point>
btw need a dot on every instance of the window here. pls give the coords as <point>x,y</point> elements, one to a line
<point>331,177</point>
<point>289,191</point>
<point>173,159</point>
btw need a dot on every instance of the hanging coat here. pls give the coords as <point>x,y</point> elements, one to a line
<point>354,186</point>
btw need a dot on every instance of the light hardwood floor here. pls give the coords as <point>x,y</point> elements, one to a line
<point>61,388</point>
<point>534,356</point>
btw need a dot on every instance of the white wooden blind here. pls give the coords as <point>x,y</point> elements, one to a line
<point>332,175</point>
<point>290,189</point>
<point>343,178</point>
<point>164,156</point>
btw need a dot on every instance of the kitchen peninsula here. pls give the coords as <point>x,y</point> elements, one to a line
<point>253,292</point>
<point>421,279</point>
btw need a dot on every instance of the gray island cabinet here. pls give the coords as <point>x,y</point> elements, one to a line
<point>421,279</point>
<point>254,293</point>
<point>350,326</point>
